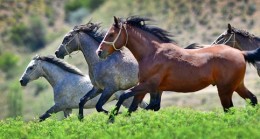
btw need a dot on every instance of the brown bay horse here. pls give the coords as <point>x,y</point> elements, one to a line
<point>163,66</point>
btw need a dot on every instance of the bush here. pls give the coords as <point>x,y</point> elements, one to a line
<point>251,9</point>
<point>8,63</point>
<point>15,103</point>
<point>31,37</point>
<point>73,5</point>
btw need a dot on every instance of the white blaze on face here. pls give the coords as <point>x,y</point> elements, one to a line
<point>28,70</point>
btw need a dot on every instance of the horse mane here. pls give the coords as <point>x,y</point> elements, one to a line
<point>60,63</point>
<point>92,29</point>
<point>139,22</point>
<point>243,33</point>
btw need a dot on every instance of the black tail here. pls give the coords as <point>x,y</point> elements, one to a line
<point>252,56</point>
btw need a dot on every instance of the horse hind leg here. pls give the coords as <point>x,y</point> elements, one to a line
<point>67,112</point>
<point>225,96</point>
<point>246,94</point>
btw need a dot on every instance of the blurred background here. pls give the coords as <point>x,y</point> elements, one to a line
<point>30,27</point>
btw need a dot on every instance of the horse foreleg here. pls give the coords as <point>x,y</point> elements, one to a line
<point>91,94</point>
<point>67,112</point>
<point>225,98</point>
<point>53,109</point>
<point>136,101</point>
<point>105,95</point>
<point>155,101</point>
<point>137,90</point>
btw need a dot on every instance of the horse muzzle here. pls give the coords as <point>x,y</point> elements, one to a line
<point>58,55</point>
<point>102,54</point>
<point>23,82</point>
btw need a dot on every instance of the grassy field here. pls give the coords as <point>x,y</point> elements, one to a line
<point>170,122</point>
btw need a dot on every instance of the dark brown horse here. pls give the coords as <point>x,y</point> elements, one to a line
<point>163,66</point>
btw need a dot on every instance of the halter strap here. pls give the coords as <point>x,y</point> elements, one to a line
<point>226,40</point>
<point>77,41</point>
<point>113,42</point>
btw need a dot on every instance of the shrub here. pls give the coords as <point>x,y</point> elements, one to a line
<point>73,5</point>
<point>31,37</point>
<point>8,62</point>
<point>251,9</point>
<point>15,103</point>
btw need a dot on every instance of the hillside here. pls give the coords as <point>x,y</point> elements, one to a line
<point>190,21</point>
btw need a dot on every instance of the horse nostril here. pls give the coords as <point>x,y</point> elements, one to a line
<point>56,53</point>
<point>21,81</point>
<point>99,53</point>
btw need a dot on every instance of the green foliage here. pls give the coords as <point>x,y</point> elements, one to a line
<point>31,36</point>
<point>8,63</point>
<point>15,103</point>
<point>251,9</point>
<point>167,123</point>
<point>72,5</point>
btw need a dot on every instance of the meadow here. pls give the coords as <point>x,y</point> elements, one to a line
<point>171,122</point>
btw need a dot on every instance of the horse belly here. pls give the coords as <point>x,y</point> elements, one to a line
<point>186,83</point>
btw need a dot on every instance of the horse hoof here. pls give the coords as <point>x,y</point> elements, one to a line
<point>80,117</point>
<point>111,119</point>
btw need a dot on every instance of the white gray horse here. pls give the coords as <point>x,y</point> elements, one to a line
<point>68,83</point>
<point>118,72</point>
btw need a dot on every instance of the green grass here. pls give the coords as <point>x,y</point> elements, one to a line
<point>167,123</point>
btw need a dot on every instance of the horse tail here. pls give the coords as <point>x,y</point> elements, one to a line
<point>252,56</point>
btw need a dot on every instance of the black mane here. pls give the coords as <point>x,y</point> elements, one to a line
<point>139,22</point>
<point>62,64</point>
<point>92,29</point>
<point>243,32</point>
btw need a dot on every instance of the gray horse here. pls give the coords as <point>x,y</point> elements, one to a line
<point>118,72</point>
<point>68,83</point>
<point>239,39</point>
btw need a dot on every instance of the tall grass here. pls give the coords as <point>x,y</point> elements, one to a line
<point>167,123</point>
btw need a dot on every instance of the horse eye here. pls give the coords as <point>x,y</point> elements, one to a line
<point>30,68</point>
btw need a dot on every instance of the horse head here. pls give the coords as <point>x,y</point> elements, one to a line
<point>115,38</point>
<point>32,72</point>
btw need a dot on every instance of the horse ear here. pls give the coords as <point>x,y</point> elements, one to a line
<point>116,22</point>
<point>229,28</point>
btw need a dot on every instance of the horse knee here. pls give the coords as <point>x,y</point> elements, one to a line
<point>81,103</point>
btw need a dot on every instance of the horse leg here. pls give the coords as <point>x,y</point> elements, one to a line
<point>53,109</point>
<point>127,103</point>
<point>67,112</point>
<point>139,89</point>
<point>225,96</point>
<point>105,95</point>
<point>136,101</point>
<point>155,101</point>
<point>91,94</point>
<point>246,94</point>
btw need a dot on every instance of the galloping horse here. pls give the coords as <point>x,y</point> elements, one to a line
<point>68,83</point>
<point>119,72</point>
<point>239,39</point>
<point>163,66</point>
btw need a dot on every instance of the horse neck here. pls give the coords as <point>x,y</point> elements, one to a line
<point>88,48</point>
<point>247,43</point>
<point>140,43</point>
<point>52,73</point>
